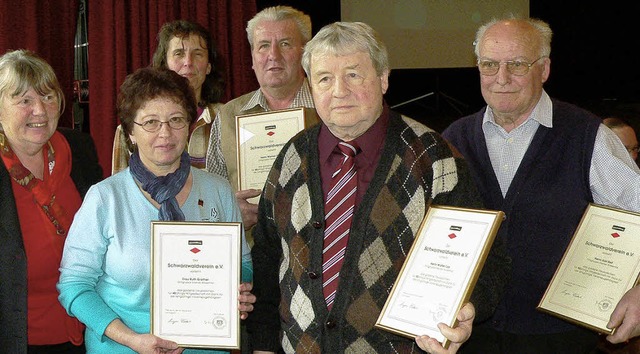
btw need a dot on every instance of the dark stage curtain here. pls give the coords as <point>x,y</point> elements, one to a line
<point>48,28</point>
<point>122,38</point>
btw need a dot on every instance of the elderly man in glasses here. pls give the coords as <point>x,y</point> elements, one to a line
<point>541,161</point>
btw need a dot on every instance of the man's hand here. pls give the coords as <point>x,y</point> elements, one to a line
<point>249,210</point>
<point>245,300</point>
<point>456,336</point>
<point>625,318</point>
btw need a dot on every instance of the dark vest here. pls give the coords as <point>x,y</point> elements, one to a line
<point>543,207</point>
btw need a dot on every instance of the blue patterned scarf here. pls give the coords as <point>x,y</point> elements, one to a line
<point>163,189</point>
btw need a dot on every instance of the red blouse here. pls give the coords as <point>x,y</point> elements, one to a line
<point>48,322</point>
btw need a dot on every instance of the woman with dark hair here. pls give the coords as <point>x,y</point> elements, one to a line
<point>187,48</point>
<point>175,40</point>
<point>105,270</point>
<point>44,173</point>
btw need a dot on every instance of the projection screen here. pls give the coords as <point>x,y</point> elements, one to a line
<point>429,33</point>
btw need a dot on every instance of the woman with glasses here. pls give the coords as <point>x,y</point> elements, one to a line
<point>105,270</point>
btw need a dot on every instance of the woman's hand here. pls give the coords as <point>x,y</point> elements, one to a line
<point>140,343</point>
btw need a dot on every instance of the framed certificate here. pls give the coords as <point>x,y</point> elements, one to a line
<point>601,263</point>
<point>260,138</point>
<point>440,271</point>
<point>195,274</point>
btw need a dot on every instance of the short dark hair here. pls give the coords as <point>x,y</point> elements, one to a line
<point>213,86</point>
<point>148,83</point>
<point>615,122</point>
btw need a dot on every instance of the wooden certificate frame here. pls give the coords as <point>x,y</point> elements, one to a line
<point>600,265</point>
<point>260,137</point>
<point>440,271</point>
<point>195,275</point>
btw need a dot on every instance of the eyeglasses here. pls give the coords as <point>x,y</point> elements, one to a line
<point>153,125</point>
<point>631,149</point>
<point>515,67</point>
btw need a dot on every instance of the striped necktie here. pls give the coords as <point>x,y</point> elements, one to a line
<point>338,211</point>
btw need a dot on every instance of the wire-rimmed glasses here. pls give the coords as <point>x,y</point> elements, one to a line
<point>514,67</point>
<point>153,125</point>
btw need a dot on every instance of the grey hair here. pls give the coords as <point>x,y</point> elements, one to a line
<point>281,13</point>
<point>341,38</point>
<point>21,70</point>
<point>542,29</point>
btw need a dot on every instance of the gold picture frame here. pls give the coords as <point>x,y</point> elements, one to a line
<point>260,137</point>
<point>195,275</point>
<point>601,263</point>
<point>440,271</point>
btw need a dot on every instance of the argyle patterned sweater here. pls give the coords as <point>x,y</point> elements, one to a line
<point>416,168</point>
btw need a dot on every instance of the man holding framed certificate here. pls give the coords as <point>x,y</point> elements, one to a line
<point>260,137</point>
<point>541,161</point>
<point>341,209</point>
<point>277,36</point>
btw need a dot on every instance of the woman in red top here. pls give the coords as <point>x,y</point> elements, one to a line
<point>42,179</point>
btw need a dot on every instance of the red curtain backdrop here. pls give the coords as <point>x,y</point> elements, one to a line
<point>48,28</point>
<point>122,38</point>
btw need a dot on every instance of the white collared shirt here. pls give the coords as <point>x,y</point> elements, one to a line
<point>215,159</point>
<point>614,177</point>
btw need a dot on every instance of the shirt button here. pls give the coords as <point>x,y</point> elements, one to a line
<point>331,324</point>
<point>317,225</point>
<point>313,275</point>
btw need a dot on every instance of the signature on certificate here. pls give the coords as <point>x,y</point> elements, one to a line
<point>180,320</point>
<point>573,294</point>
<point>411,305</point>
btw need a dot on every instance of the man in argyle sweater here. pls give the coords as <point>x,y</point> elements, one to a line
<point>403,168</point>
